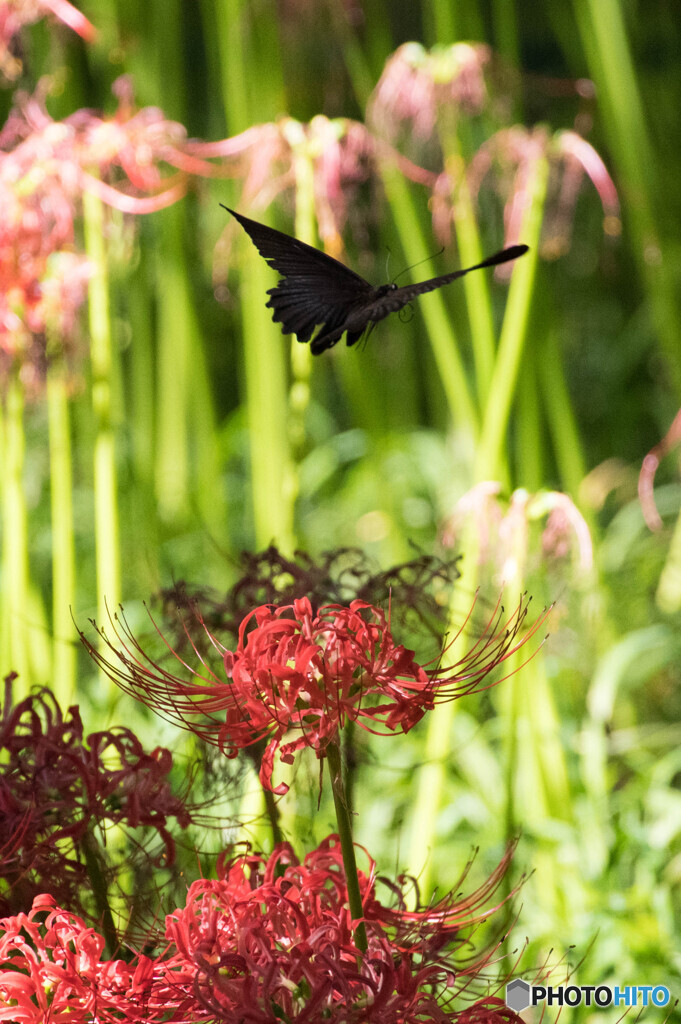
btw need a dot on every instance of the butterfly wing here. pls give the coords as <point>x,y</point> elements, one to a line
<point>314,290</point>
<point>389,300</point>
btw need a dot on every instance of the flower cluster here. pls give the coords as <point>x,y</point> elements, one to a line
<point>416,83</point>
<point>297,671</point>
<point>57,786</point>
<point>45,167</point>
<point>269,939</point>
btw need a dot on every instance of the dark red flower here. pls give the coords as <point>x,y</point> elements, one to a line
<point>296,671</point>
<point>272,939</point>
<point>57,787</point>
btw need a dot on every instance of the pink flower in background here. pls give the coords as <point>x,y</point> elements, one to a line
<point>307,674</point>
<point>509,158</point>
<point>417,83</point>
<point>45,167</point>
<point>14,14</point>
<point>503,528</point>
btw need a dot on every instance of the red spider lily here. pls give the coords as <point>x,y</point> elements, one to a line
<point>57,786</point>
<point>52,970</point>
<point>341,154</point>
<point>270,939</point>
<point>308,673</point>
<point>14,14</point>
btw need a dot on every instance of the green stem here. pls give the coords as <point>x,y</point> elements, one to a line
<point>443,338</point>
<point>63,545</point>
<point>513,332</point>
<point>560,416</point>
<point>604,37</point>
<point>266,411</point>
<point>476,287</point>
<point>301,357</point>
<point>347,846</point>
<point>432,775</point>
<point>101,356</point>
<point>99,891</point>
<point>176,329</point>
<point>15,563</point>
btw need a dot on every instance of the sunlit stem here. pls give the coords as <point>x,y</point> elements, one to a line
<point>301,357</point>
<point>63,545</point>
<point>105,487</point>
<point>347,847</point>
<point>602,25</point>
<point>432,775</point>
<point>490,455</point>
<point>668,594</point>
<point>476,285</point>
<point>15,570</point>
<point>266,411</point>
<point>442,336</point>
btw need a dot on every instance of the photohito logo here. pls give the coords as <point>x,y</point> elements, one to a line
<point>520,994</point>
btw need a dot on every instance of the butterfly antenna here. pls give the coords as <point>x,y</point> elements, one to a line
<point>387,262</point>
<point>419,262</point>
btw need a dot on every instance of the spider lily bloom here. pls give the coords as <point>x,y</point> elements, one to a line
<point>269,939</point>
<point>45,168</point>
<point>273,939</point>
<point>58,787</point>
<point>509,157</point>
<point>297,671</point>
<point>416,84</point>
<point>51,969</point>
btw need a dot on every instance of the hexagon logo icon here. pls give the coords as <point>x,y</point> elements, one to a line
<point>518,994</point>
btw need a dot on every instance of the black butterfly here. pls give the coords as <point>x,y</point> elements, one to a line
<point>318,291</point>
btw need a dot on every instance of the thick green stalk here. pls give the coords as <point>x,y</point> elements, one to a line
<point>101,358</point>
<point>15,563</point>
<point>476,287</point>
<point>604,37</point>
<point>301,357</point>
<point>560,416</point>
<point>91,853</point>
<point>530,445</point>
<point>490,456</point>
<point>432,308</point>
<point>176,332</point>
<point>432,775</point>
<point>345,833</point>
<point>272,482</point>
<point>63,545</point>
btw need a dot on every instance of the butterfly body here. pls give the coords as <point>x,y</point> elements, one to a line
<point>317,291</point>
